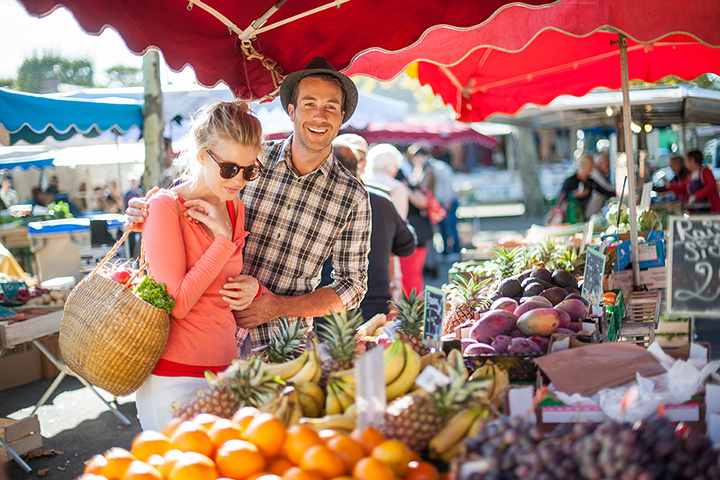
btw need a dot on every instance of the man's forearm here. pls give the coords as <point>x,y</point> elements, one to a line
<point>313,304</point>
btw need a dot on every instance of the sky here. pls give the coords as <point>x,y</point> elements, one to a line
<point>21,35</point>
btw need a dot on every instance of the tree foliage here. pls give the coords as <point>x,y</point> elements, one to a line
<point>39,72</point>
<point>124,76</point>
<point>7,82</point>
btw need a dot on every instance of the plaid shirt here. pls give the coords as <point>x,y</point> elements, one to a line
<point>296,223</point>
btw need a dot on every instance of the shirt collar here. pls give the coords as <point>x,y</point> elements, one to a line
<point>286,155</point>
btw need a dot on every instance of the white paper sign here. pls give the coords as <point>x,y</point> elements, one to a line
<point>370,399</point>
<point>645,197</point>
<point>431,378</point>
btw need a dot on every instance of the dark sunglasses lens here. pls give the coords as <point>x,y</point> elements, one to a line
<point>229,170</point>
<point>252,173</point>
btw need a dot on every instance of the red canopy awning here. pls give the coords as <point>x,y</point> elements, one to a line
<point>205,34</point>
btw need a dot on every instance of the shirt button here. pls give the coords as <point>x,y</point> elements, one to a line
<point>278,235</point>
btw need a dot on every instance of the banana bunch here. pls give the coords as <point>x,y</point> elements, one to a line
<point>303,369</point>
<point>311,398</point>
<point>286,406</point>
<point>402,366</point>
<point>340,422</point>
<point>450,441</point>
<point>340,394</point>
<point>498,379</point>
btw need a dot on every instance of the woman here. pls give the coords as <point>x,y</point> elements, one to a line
<point>193,237</point>
<point>700,186</point>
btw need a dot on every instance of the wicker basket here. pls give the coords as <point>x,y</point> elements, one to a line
<point>109,335</point>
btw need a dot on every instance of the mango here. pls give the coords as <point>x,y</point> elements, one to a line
<point>501,343</point>
<point>573,307</point>
<point>523,346</point>
<point>478,348</point>
<point>540,321</point>
<point>504,303</point>
<point>466,342</point>
<point>574,326</point>
<point>563,318</point>
<point>517,334</point>
<point>492,324</point>
<point>542,342</point>
<point>530,305</point>
<point>537,298</point>
<point>565,331</point>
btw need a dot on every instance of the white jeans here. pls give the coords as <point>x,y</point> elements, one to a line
<point>155,397</point>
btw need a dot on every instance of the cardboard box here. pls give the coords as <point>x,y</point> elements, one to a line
<point>20,435</point>
<point>653,278</point>
<point>19,366</point>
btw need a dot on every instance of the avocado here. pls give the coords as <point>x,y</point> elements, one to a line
<point>578,296</point>
<point>572,290</point>
<point>530,280</point>
<point>542,274</point>
<point>563,278</point>
<point>510,287</point>
<point>554,294</point>
<point>533,288</point>
<point>525,274</point>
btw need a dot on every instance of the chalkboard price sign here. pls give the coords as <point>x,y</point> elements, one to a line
<point>434,314</point>
<point>592,288</point>
<point>694,266</point>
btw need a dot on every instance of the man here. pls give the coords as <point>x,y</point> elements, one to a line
<point>391,234</point>
<point>305,207</point>
<point>580,185</point>
<point>601,175</point>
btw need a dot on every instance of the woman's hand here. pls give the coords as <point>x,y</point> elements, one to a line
<point>210,215</point>
<point>240,291</point>
<point>137,211</point>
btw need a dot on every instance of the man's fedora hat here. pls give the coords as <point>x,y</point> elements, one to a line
<point>315,66</point>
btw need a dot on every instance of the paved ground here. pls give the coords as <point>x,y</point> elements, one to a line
<point>78,424</point>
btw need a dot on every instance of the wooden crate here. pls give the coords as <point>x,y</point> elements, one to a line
<point>12,334</point>
<point>21,435</point>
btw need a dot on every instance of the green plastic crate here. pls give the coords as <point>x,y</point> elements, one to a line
<point>615,314</point>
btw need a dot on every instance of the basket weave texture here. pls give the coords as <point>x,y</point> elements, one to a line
<point>110,336</point>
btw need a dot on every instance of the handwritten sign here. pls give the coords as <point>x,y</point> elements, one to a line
<point>592,289</point>
<point>694,266</point>
<point>434,314</point>
<point>370,396</point>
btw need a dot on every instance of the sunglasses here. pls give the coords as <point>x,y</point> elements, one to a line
<point>231,170</point>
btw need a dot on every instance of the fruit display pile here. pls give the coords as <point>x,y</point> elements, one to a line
<point>510,448</point>
<point>536,304</point>
<point>258,446</point>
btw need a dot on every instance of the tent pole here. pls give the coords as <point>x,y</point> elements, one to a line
<point>627,134</point>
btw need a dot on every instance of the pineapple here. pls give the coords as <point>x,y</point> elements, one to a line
<point>409,312</point>
<point>339,334</point>
<point>286,342</point>
<point>465,296</point>
<point>507,262</point>
<point>417,417</point>
<point>243,383</point>
<point>547,254</point>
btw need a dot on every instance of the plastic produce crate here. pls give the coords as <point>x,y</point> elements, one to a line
<point>615,314</point>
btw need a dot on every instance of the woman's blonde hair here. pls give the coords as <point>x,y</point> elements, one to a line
<point>215,122</point>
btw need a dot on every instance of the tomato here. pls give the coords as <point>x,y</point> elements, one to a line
<point>610,298</point>
<point>121,276</point>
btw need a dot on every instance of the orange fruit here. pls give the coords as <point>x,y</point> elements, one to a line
<point>297,473</point>
<point>279,466</point>
<point>170,426</point>
<point>422,471</point>
<point>323,461</point>
<point>328,433</point>
<point>298,440</point>
<point>239,459</point>
<point>118,461</point>
<point>204,419</point>
<point>344,477</point>
<point>138,470</point>
<point>90,476</point>
<point>244,415</point>
<point>95,464</point>
<point>265,476</point>
<point>154,460</point>
<point>349,451</point>
<point>268,433</point>
<point>149,442</point>
<point>223,430</point>
<point>193,466</point>
<point>191,437</point>
<point>395,454</point>
<point>371,469</point>
<point>168,461</point>
<point>368,438</point>
<point>414,456</point>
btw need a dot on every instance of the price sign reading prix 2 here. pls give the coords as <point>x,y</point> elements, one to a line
<point>592,288</point>
<point>694,266</point>
<point>434,313</point>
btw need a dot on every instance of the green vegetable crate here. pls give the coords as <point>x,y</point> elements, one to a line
<point>615,314</point>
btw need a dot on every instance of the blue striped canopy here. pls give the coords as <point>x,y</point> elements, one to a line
<point>29,117</point>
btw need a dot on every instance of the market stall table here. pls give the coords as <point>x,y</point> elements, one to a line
<point>32,330</point>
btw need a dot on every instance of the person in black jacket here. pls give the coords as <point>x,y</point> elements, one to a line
<point>390,234</point>
<point>580,185</point>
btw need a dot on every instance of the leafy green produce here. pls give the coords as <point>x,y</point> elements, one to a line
<point>155,294</point>
<point>612,214</point>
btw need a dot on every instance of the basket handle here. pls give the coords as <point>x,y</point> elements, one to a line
<point>112,251</point>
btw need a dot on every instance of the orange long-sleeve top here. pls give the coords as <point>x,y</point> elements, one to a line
<point>193,266</point>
